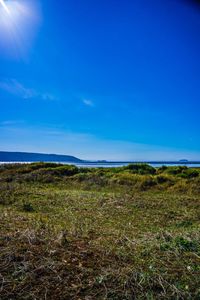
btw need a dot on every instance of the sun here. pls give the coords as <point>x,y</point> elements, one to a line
<point>19,22</point>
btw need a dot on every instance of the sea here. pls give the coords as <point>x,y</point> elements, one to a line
<point>107,164</point>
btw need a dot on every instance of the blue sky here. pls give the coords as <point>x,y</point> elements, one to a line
<point>116,80</point>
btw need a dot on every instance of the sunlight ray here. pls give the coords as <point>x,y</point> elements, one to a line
<point>19,21</point>
<point>2,2</point>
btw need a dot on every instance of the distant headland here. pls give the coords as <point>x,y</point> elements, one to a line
<point>36,157</point>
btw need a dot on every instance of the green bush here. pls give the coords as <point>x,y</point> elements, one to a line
<point>125,179</point>
<point>28,207</point>
<point>142,169</point>
<point>176,170</point>
<point>162,169</point>
<point>69,170</point>
<point>163,178</point>
<point>65,170</point>
<point>43,165</point>
<point>186,245</point>
<point>146,182</point>
<point>181,244</point>
<point>189,173</point>
<point>80,177</point>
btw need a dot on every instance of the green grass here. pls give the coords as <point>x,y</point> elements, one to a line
<point>69,233</point>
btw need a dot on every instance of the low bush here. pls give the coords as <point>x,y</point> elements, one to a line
<point>162,169</point>
<point>146,182</point>
<point>175,170</point>
<point>28,207</point>
<point>69,170</point>
<point>64,170</point>
<point>187,245</point>
<point>125,179</point>
<point>164,178</point>
<point>142,169</point>
<point>189,173</point>
<point>181,244</point>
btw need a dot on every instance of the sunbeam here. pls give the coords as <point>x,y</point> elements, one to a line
<point>2,2</point>
<point>19,20</point>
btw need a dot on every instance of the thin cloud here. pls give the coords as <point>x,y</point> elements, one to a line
<point>88,102</point>
<point>11,123</point>
<point>16,88</point>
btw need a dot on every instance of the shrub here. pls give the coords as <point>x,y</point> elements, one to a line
<point>28,207</point>
<point>125,179</point>
<point>142,169</point>
<point>65,170</point>
<point>162,179</point>
<point>58,171</point>
<point>85,170</point>
<point>189,173</point>
<point>186,245</point>
<point>162,169</point>
<point>80,177</point>
<point>184,223</point>
<point>181,244</point>
<point>176,170</point>
<point>146,183</point>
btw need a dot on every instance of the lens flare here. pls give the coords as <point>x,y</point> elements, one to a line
<point>4,6</point>
<point>19,22</point>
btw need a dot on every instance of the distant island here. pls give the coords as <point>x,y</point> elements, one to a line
<point>36,157</point>
<point>102,161</point>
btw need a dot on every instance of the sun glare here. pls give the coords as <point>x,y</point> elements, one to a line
<point>2,2</point>
<point>19,20</point>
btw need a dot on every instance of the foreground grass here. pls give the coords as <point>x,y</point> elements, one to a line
<point>98,235</point>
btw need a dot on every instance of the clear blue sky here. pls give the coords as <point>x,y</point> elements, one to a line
<point>102,79</point>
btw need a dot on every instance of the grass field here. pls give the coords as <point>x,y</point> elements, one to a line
<point>121,233</point>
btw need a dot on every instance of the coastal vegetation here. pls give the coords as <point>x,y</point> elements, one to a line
<point>128,232</point>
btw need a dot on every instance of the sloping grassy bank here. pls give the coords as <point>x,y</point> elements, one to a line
<point>123,233</point>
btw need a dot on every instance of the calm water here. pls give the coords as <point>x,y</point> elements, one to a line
<point>119,164</point>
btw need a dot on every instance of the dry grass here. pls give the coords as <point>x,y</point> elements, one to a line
<point>70,239</point>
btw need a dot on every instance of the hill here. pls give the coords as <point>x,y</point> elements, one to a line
<point>35,157</point>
